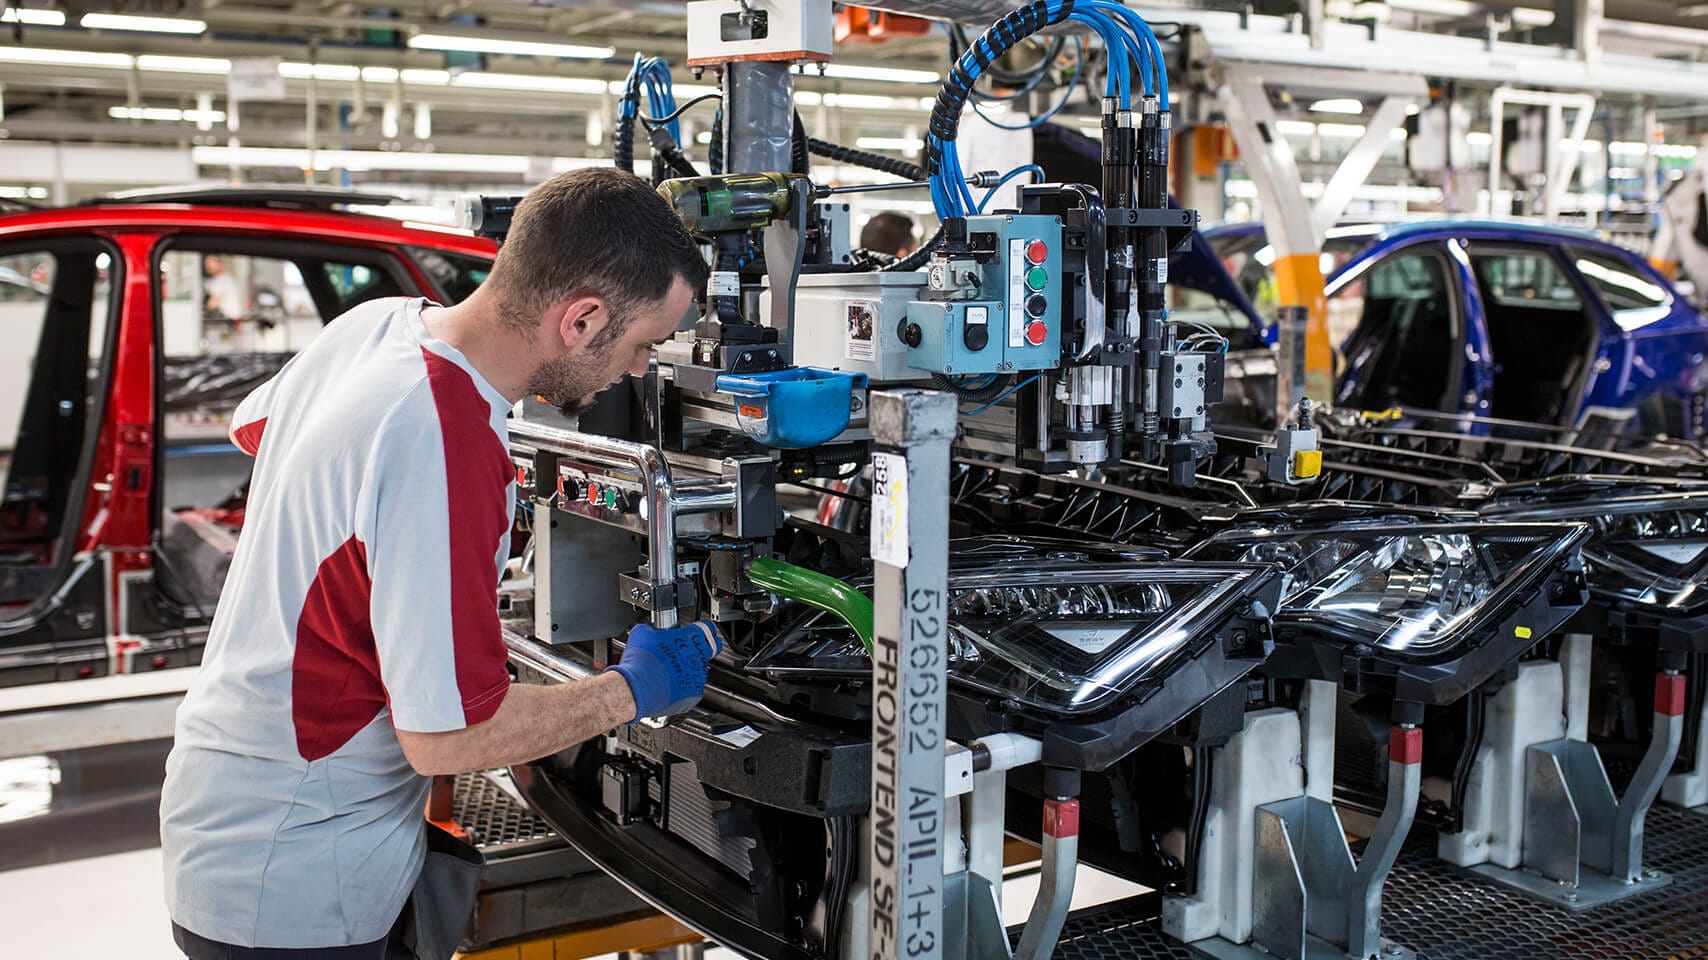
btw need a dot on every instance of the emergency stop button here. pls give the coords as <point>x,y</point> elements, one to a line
<point>1036,251</point>
<point>1036,331</point>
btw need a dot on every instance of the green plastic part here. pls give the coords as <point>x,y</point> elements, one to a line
<point>817,591</point>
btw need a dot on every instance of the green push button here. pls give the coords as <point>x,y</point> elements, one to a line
<point>1036,278</point>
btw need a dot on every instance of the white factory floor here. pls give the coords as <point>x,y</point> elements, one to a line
<point>87,883</point>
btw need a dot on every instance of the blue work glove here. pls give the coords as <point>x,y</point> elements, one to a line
<point>666,669</point>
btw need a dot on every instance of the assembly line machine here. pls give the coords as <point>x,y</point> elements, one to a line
<point>802,373</point>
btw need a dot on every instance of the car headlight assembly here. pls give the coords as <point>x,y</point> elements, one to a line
<point>1648,545</point>
<point>1414,591</point>
<point>1067,638</point>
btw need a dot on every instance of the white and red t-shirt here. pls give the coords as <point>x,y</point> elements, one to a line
<point>362,597</point>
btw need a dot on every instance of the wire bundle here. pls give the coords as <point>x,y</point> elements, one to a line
<point>651,74</point>
<point>1130,43</point>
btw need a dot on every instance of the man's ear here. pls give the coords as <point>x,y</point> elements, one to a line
<point>579,320</point>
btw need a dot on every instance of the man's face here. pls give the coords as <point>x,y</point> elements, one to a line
<point>571,382</point>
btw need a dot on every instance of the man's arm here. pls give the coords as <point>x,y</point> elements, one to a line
<point>662,672</point>
<point>534,721</point>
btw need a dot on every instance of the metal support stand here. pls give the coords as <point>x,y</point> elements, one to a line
<point>1055,888</point>
<point>1582,847</point>
<point>912,430</point>
<point>1276,877</point>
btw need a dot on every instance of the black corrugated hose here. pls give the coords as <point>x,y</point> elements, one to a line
<point>798,162</point>
<point>984,394</point>
<point>715,151</point>
<point>862,158</point>
<point>623,139</point>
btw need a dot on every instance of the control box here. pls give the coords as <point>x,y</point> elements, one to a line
<point>852,322</point>
<point>997,307</point>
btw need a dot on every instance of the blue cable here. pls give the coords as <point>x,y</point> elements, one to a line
<point>1035,122</point>
<point>1031,168</point>
<point>1003,396</point>
<point>1116,83</point>
<point>1147,37</point>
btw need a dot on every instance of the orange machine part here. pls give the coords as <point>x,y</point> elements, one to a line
<point>865,25</point>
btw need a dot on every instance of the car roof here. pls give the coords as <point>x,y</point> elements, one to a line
<point>247,220</point>
<point>1481,227</point>
<point>1488,229</point>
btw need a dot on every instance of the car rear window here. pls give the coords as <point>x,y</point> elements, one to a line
<point>1633,299</point>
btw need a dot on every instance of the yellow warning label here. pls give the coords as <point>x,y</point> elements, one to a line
<point>1522,633</point>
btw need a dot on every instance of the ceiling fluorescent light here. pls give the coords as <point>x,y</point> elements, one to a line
<point>169,114</point>
<point>1344,131</point>
<point>163,64</point>
<point>125,21</point>
<point>379,74</point>
<point>66,58</point>
<point>850,71</point>
<point>1479,138</point>
<point>519,81</point>
<point>34,18</point>
<point>478,43</point>
<point>688,91</point>
<point>297,70</point>
<point>430,78</point>
<point>1347,105</point>
<point>1295,128</point>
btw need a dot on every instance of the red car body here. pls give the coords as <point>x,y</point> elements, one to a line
<point>67,632</point>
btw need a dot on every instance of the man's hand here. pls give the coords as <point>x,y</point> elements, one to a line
<point>666,669</point>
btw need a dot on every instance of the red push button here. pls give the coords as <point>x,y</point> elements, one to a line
<point>1036,251</point>
<point>1036,331</point>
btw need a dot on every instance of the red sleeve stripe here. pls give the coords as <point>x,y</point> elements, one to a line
<point>477,473</point>
<point>248,436</point>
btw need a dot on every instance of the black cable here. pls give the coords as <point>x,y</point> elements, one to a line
<point>667,156</point>
<point>984,394</point>
<point>917,258</point>
<point>862,158</point>
<point>679,111</point>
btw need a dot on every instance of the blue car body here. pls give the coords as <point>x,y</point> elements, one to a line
<point>1564,352</point>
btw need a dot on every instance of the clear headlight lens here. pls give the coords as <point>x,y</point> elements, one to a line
<point>1409,589</point>
<point>1064,637</point>
<point>1646,548</point>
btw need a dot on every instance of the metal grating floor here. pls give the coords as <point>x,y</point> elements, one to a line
<point>1124,929</point>
<point>492,816</point>
<point>1444,913</point>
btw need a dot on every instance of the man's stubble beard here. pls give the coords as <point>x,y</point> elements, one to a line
<point>572,383</point>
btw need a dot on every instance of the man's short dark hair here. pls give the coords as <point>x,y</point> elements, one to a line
<point>887,232</point>
<point>594,232</point>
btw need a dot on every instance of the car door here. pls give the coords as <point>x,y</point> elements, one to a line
<point>230,311</point>
<point>1542,335</point>
<point>1652,345</point>
<point>1409,345</point>
<point>59,322</point>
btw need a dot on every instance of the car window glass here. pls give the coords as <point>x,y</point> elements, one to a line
<point>1530,279</point>
<point>1401,348</point>
<point>54,320</point>
<point>1539,334</point>
<point>1633,299</point>
<point>219,303</point>
<point>456,275</point>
